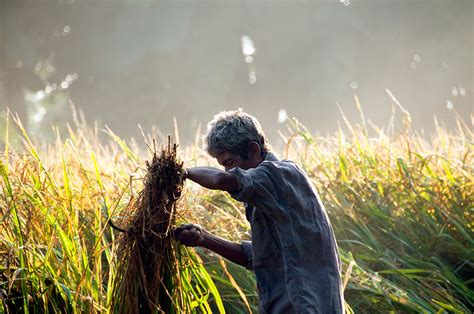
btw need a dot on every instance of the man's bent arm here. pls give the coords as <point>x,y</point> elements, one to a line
<point>213,178</point>
<point>194,235</point>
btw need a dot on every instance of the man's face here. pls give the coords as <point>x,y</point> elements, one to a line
<point>229,161</point>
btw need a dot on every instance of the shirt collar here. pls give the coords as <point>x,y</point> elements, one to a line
<point>271,157</point>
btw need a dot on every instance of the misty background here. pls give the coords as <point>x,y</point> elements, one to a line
<point>125,63</point>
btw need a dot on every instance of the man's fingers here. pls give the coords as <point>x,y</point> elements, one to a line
<point>181,234</point>
<point>189,241</point>
<point>188,226</point>
<point>188,237</point>
<point>193,226</point>
<point>186,234</point>
<point>177,231</point>
<point>183,227</point>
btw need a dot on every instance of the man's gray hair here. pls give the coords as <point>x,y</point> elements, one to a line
<point>232,131</point>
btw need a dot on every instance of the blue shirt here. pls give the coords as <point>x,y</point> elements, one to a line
<point>292,250</point>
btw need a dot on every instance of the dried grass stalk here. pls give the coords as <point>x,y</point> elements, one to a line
<point>147,276</point>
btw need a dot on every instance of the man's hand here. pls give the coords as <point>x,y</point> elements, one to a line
<point>194,235</point>
<point>190,235</point>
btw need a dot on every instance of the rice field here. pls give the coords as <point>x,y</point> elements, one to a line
<point>401,204</point>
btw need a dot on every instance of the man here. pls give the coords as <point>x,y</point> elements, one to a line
<point>292,250</point>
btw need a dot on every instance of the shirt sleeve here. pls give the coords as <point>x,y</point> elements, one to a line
<point>247,245</point>
<point>260,187</point>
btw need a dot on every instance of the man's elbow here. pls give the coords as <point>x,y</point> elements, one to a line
<point>227,182</point>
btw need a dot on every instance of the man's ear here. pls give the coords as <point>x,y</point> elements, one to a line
<point>254,150</point>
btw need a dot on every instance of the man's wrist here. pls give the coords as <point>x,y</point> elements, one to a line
<point>205,239</point>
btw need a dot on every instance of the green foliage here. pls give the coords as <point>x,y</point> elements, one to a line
<point>401,206</point>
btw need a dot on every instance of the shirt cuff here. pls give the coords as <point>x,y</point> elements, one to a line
<point>247,245</point>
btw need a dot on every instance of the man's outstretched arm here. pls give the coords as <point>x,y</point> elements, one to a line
<point>193,235</point>
<point>214,179</point>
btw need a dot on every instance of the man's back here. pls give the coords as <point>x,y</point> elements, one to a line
<point>293,251</point>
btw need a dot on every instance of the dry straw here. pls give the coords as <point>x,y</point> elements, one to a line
<point>147,272</point>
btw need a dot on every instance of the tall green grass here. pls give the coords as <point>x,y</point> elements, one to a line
<point>401,204</point>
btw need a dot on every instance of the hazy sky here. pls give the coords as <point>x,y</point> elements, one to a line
<point>142,62</point>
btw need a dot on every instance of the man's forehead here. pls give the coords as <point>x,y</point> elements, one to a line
<point>224,156</point>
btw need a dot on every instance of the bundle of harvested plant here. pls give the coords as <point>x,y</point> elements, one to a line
<point>147,278</point>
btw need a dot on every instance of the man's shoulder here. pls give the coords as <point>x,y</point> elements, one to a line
<point>287,168</point>
<point>283,166</point>
<point>271,157</point>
